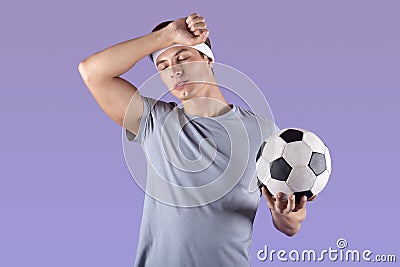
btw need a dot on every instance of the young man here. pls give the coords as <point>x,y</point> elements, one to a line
<point>187,148</point>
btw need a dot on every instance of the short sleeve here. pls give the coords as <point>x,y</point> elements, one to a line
<point>153,110</point>
<point>143,121</point>
<point>267,127</point>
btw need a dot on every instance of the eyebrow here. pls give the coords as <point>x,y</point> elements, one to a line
<point>177,53</point>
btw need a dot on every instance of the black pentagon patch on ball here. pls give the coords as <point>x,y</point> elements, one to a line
<point>259,153</point>
<point>280,169</point>
<point>298,195</point>
<point>292,135</point>
<point>317,163</point>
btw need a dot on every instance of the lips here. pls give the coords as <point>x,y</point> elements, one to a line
<point>179,85</point>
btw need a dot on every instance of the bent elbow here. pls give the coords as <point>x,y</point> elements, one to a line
<point>84,70</point>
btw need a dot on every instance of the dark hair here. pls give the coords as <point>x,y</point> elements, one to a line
<point>165,24</point>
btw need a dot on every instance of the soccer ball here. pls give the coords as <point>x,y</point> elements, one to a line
<point>293,161</point>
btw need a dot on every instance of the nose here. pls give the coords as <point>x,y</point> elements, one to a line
<point>176,71</point>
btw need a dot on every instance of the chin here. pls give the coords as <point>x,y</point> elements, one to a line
<point>184,94</point>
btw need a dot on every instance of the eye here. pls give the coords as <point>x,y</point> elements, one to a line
<point>162,67</point>
<point>182,58</point>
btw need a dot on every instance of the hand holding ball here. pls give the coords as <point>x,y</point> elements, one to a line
<point>294,161</point>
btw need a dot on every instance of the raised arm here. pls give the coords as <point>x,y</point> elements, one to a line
<point>101,72</point>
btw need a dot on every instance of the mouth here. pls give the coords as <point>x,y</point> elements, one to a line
<point>179,85</point>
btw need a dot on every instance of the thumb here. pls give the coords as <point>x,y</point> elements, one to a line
<point>201,38</point>
<point>204,35</point>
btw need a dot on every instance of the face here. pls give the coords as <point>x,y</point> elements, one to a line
<point>185,72</point>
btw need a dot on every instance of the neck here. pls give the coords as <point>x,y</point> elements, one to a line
<point>210,104</point>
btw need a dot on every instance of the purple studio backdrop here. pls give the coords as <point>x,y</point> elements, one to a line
<point>66,195</point>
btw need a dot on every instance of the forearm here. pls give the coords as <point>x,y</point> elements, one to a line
<point>119,58</point>
<point>288,224</point>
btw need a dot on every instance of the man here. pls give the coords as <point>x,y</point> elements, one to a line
<point>188,228</point>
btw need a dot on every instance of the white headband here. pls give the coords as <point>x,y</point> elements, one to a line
<point>203,48</point>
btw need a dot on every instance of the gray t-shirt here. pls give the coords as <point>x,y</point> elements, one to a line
<point>198,209</point>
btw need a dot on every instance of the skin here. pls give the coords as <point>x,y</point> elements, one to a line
<point>287,215</point>
<point>199,94</point>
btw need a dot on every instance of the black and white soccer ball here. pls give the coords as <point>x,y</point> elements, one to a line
<point>294,161</point>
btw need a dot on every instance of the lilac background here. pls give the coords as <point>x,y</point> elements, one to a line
<point>66,195</point>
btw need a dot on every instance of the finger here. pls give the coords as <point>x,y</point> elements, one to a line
<point>195,21</point>
<point>301,204</point>
<point>197,32</point>
<point>198,26</point>
<point>290,205</point>
<point>191,17</point>
<point>267,192</point>
<point>269,198</point>
<point>200,32</point>
<point>200,39</point>
<point>313,198</point>
<point>279,203</point>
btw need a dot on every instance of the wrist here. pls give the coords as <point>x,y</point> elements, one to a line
<point>286,223</point>
<point>291,219</point>
<point>165,36</point>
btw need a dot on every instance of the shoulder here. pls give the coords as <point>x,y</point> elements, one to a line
<point>158,107</point>
<point>263,123</point>
<point>154,112</point>
<point>243,111</point>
